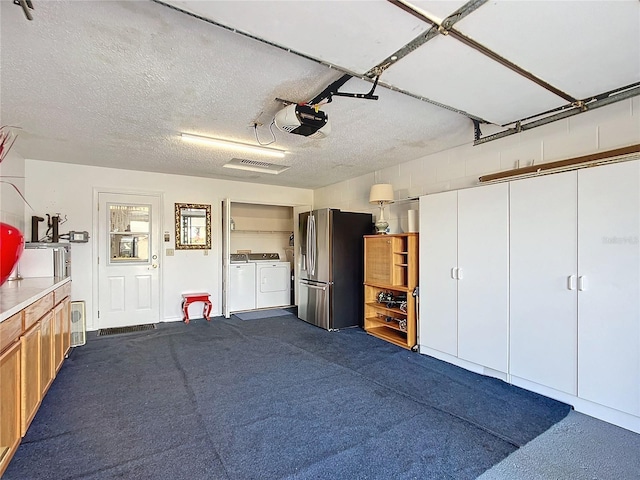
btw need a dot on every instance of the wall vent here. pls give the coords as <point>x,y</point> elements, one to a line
<point>78,324</point>
<point>256,166</point>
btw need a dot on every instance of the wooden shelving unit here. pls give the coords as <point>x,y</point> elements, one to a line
<point>391,271</point>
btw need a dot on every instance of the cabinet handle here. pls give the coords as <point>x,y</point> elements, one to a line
<point>582,283</point>
<point>453,273</point>
<point>459,275</point>
<point>571,282</point>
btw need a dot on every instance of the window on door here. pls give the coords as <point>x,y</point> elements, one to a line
<point>129,229</point>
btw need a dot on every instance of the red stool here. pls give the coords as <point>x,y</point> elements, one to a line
<point>189,298</point>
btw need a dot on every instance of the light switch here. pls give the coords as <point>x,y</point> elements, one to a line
<point>169,252</point>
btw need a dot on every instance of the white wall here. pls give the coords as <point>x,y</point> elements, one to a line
<point>276,242</point>
<point>12,206</point>
<point>68,189</point>
<point>606,128</point>
<point>261,228</point>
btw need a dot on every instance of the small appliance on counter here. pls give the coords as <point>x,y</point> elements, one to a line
<point>42,259</point>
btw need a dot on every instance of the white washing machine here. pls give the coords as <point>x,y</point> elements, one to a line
<point>273,280</point>
<point>242,284</point>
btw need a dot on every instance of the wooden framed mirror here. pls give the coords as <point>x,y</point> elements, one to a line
<point>193,226</point>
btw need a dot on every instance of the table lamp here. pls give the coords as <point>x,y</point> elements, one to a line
<point>382,194</point>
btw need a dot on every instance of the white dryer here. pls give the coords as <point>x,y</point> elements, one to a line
<point>273,280</point>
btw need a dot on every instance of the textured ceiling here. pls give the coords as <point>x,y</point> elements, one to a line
<point>114,83</point>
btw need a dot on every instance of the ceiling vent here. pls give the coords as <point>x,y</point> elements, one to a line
<point>255,166</point>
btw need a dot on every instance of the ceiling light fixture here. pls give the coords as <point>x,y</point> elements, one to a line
<point>244,147</point>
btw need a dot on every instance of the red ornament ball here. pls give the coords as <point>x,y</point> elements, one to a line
<point>11,247</point>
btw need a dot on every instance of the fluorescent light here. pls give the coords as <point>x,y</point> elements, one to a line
<point>245,147</point>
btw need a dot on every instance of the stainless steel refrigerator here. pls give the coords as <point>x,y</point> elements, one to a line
<point>331,278</point>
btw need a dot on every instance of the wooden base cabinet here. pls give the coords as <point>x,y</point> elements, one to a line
<point>66,327</point>
<point>9,404</point>
<point>30,376</point>
<point>46,353</point>
<point>58,333</point>
<point>391,275</point>
<point>33,344</point>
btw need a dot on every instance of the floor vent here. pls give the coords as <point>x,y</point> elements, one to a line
<point>78,324</point>
<point>115,331</point>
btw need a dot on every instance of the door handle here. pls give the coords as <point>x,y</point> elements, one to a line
<point>571,282</point>
<point>582,283</point>
<point>154,265</point>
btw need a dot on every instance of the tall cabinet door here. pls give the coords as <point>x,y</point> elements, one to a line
<point>438,263</point>
<point>483,275</point>
<point>609,296</point>
<point>543,270</point>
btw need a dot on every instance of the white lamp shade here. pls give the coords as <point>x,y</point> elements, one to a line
<point>381,192</point>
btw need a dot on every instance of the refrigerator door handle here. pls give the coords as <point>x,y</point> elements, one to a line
<point>312,249</point>
<point>314,246</point>
<point>315,287</point>
<point>307,257</point>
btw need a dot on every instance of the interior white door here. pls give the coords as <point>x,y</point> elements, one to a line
<point>226,258</point>
<point>609,285</point>
<point>438,269</point>
<point>543,280</point>
<point>483,275</point>
<point>128,259</point>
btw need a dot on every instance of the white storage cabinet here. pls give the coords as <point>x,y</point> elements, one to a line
<point>464,274</point>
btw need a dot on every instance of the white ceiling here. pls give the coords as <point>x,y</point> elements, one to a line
<point>115,83</point>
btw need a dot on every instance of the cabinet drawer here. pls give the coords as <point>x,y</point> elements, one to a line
<point>61,293</point>
<point>37,309</point>
<point>10,330</point>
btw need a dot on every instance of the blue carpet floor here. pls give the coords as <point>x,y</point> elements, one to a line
<point>273,399</point>
<point>260,314</point>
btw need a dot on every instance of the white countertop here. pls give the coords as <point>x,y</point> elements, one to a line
<point>18,294</point>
